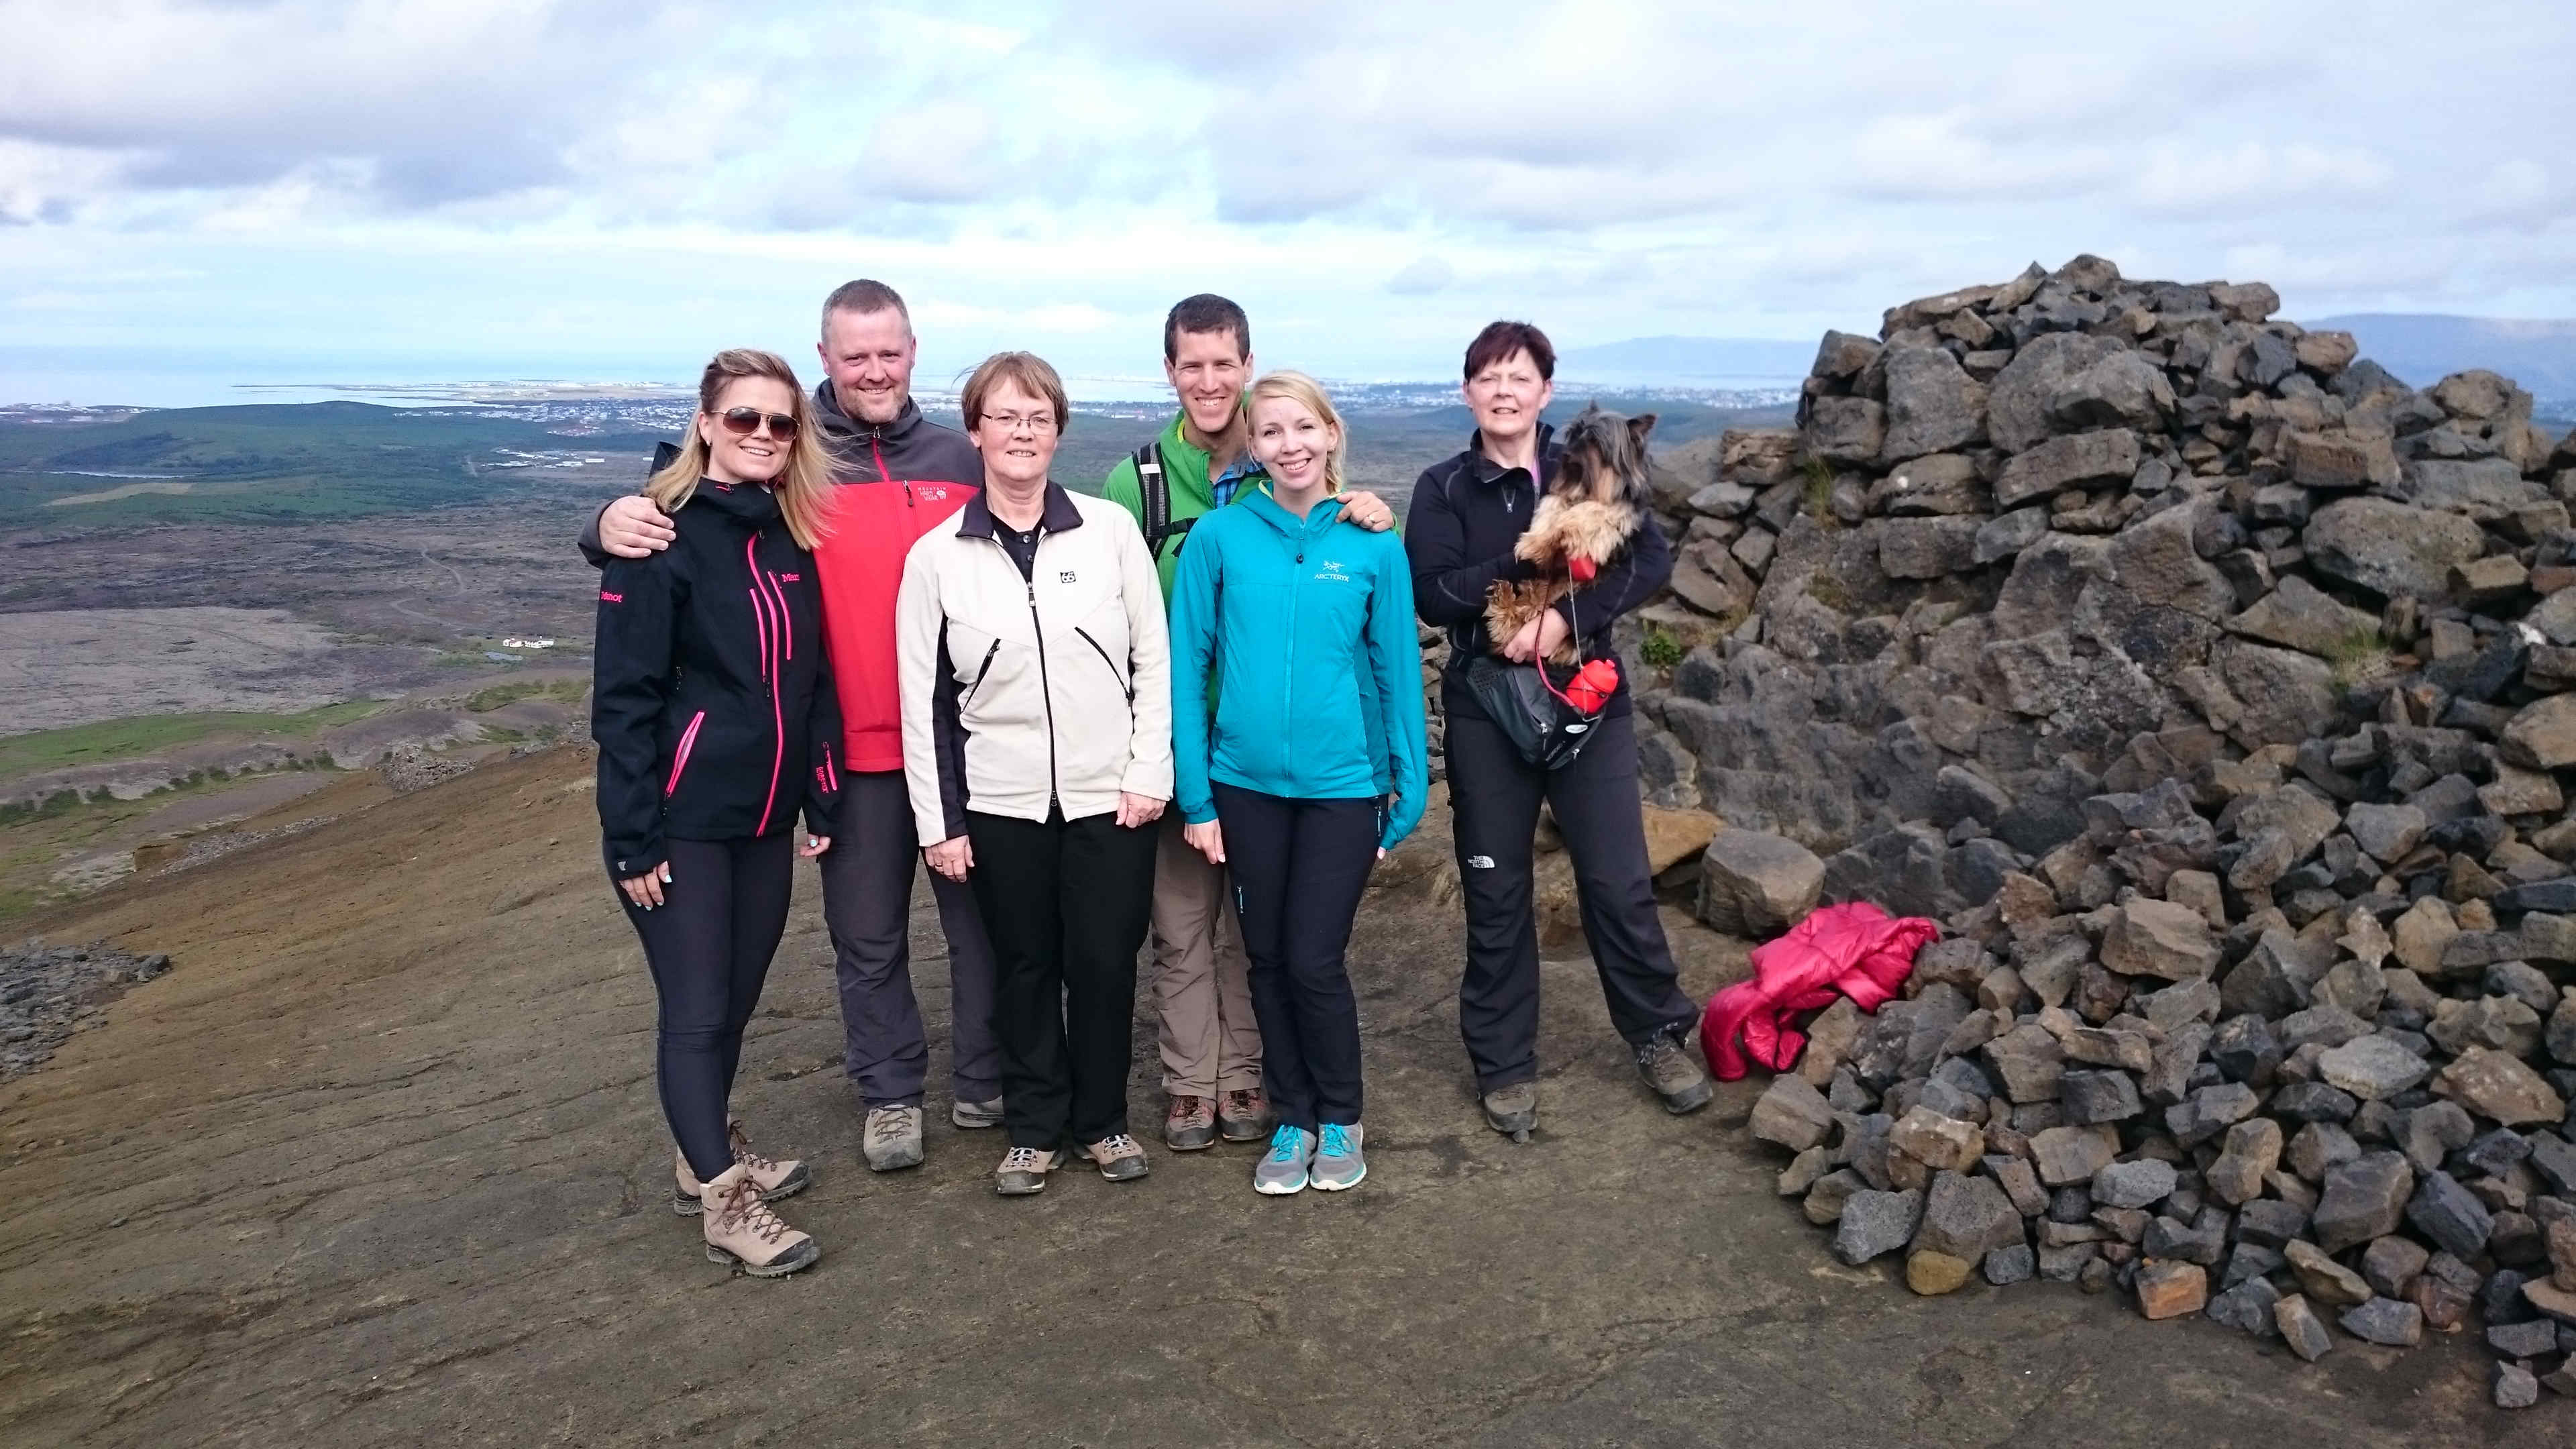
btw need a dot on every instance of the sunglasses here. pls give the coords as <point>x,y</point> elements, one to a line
<point>743,422</point>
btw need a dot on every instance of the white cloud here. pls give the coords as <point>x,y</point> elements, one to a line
<point>508,170</point>
<point>1422,276</point>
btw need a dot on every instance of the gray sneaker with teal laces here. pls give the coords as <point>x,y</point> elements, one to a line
<point>1282,1170</point>
<point>1338,1163</point>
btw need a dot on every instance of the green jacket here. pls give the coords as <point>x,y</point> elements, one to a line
<point>1185,472</point>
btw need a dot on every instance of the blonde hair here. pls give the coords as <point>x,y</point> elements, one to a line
<point>1307,393</point>
<point>1026,371</point>
<point>803,486</point>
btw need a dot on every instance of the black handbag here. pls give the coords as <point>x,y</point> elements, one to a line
<point>1531,708</point>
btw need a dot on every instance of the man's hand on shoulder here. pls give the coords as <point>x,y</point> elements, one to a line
<point>632,527</point>
<point>1368,511</point>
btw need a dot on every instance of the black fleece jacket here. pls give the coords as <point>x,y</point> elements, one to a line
<point>1467,513</point>
<point>711,697</point>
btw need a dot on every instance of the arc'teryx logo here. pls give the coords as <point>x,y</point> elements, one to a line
<point>1332,573</point>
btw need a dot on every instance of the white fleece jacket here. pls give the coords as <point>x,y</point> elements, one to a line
<point>1021,695</point>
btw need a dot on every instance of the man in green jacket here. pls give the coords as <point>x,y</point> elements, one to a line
<point>1202,1000</point>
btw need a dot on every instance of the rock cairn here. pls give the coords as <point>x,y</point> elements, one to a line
<point>2212,686</point>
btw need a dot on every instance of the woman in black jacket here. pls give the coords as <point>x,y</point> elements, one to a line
<point>715,717</point>
<point>1466,518</point>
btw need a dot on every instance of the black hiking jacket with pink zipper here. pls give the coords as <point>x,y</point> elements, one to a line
<point>711,699</point>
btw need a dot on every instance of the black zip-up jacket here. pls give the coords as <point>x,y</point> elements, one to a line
<point>1467,513</point>
<point>711,697</point>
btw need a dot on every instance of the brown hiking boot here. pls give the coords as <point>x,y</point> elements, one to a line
<point>1121,1158</point>
<point>891,1140</point>
<point>1024,1171</point>
<point>1674,1072</point>
<point>1244,1116</point>
<point>741,1230</point>
<point>774,1178</point>
<point>1190,1125</point>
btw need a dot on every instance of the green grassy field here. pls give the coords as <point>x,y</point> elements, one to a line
<point>125,739</point>
<point>315,462</point>
<point>278,462</point>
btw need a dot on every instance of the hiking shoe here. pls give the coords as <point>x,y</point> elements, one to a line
<point>774,1178</point>
<point>1244,1116</point>
<point>1283,1169</point>
<point>1121,1158</point>
<point>1024,1171</point>
<point>892,1138</point>
<point>975,1116</point>
<point>1338,1163</point>
<point>1513,1110</point>
<point>1190,1124</point>
<point>1675,1072</point>
<point>741,1230</point>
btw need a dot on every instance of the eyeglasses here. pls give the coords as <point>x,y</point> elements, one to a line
<point>1040,424</point>
<point>743,422</point>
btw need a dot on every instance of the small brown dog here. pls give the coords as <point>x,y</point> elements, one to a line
<point>1597,501</point>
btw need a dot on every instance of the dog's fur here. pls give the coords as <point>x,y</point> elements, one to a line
<point>1597,501</point>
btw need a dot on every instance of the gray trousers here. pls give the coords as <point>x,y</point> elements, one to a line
<point>867,903</point>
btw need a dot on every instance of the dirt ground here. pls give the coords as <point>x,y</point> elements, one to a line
<point>379,1162</point>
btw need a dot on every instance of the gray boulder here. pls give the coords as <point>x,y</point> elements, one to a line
<point>1932,405</point>
<point>2391,548</point>
<point>1756,885</point>
<point>2080,460</point>
<point>2018,406</point>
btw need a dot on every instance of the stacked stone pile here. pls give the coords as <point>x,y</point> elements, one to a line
<point>2212,687</point>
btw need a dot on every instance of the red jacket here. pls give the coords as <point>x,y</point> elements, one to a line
<point>1852,950</point>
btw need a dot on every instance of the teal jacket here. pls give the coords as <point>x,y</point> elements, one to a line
<point>1310,624</point>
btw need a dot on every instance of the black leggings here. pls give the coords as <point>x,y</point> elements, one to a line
<point>1299,867</point>
<point>709,945</point>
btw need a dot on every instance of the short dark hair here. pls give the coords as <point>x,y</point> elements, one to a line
<point>863,297</point>
<point>1500,340</point>
<point>1205,313</point>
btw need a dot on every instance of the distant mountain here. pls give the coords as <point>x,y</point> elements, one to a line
<point>1750,361</point>
<point>2424,348</point>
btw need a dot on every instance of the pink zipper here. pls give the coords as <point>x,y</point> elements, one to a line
<point>769,668</point>
<point>680,759</point>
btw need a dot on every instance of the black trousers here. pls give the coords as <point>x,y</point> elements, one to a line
<point>1065,904</point>
<point>867,903</point>
<point>1494,796</point>
<point>709,944</point>
<point>1299,867</point>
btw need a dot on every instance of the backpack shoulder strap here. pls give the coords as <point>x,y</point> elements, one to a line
<point>1155,491</point>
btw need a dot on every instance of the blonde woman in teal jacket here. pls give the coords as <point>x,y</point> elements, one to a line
<point>1315,763</point>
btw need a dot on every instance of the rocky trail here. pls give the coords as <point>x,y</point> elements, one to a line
<point>377,1161</point>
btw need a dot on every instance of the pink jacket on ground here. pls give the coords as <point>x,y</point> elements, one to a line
<point>1854,950</point>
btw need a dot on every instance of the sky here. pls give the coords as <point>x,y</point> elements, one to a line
<point>254,190</point>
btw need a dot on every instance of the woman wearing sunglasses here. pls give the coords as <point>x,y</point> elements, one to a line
<point>716,721</point>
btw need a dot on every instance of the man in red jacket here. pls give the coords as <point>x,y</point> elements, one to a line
<point>899,475</point>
